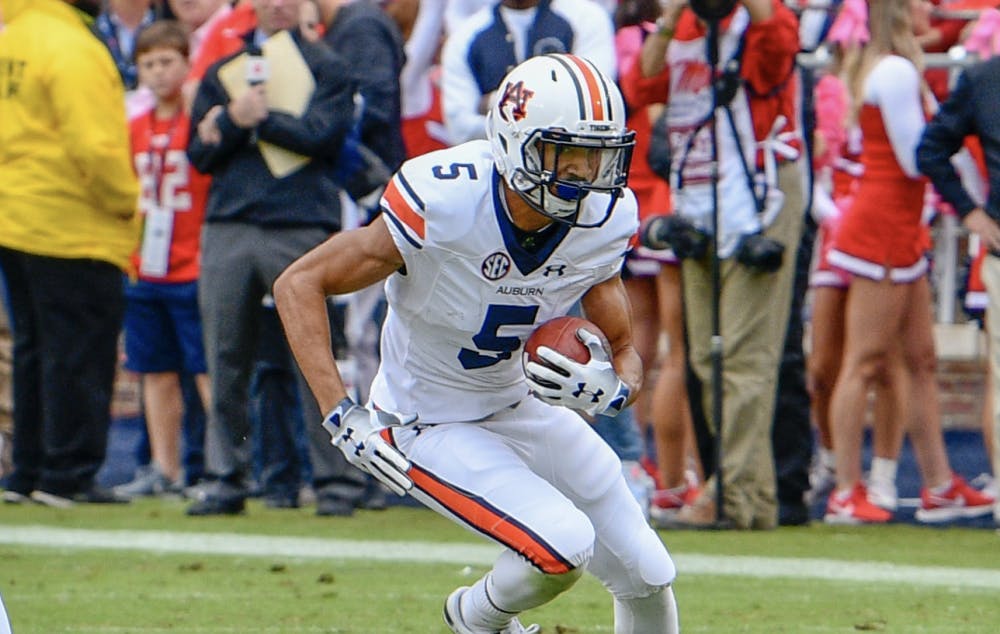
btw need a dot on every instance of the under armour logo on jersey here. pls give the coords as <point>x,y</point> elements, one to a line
<point>558,269</point>
<point>582,389</point>
<point>517,96</point>
<point>495,266</point>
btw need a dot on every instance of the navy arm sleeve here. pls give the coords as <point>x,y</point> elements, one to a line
<point>942,138</point>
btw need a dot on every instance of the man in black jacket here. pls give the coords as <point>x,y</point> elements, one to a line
<point>971,110</point>
<point>371,44</point>
<point>272,199</point>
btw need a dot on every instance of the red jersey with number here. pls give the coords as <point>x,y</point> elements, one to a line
<point>169,182</point>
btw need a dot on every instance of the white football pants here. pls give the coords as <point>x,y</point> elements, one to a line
<point>538,480</point>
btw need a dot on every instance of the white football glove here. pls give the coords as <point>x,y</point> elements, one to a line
<point>355,431</point>
<point>593,387</point>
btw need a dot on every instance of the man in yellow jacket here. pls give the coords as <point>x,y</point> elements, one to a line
<point>68,224</point>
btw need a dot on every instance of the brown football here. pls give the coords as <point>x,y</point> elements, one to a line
<point>560,335</point>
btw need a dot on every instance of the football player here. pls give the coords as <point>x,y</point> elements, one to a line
<point>480,243</point>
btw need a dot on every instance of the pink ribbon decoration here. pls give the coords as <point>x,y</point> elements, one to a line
<point>850,29</point>
<point>984,40</point>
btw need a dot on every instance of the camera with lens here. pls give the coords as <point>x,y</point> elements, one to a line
<point>676,233</point>
<point>757,251</point>
<point>753,250</point>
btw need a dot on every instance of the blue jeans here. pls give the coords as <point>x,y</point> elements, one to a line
<point>622,434</point>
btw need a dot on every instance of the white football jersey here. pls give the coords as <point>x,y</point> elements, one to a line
<point>469,294</point>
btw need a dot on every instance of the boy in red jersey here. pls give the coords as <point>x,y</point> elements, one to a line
<point>162,324</point>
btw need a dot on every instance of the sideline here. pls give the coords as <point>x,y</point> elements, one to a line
<point>484,554</point>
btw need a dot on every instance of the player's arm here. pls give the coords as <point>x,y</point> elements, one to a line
<point>347,262</point>
<point>604,384</point>
<point>607,305</point>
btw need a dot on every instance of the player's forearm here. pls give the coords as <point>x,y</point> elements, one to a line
<point>302,308</point>
<point>628,365</point>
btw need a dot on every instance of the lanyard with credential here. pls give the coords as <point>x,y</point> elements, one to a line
<point>154,255</point>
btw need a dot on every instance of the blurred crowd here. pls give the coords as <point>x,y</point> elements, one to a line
<point>162,161</point>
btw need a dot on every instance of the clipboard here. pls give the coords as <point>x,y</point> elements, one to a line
<point>289,88</point>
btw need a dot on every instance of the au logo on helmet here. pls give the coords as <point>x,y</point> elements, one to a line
<point>516,94</point>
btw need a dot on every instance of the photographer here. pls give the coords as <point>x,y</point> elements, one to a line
<point>759,203</point>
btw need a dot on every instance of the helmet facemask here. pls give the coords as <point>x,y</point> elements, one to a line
<point>601,162</point>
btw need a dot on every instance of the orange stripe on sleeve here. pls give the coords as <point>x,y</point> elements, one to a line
<point>402,209</point>
<point>491,523</point>
<point>593,87</point>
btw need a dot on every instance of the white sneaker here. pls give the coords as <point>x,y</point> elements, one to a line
<point>13,497</point>
<point>822,480</point>
<point>986,483</point>
<point>453,618</point>
<point>149,481</point>
<point>883,493</point>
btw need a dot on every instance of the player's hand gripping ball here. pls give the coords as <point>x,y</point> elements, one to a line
<point>567,361</point>
<point>559,334</point>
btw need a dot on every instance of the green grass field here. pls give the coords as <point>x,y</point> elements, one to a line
<point>148,568</point>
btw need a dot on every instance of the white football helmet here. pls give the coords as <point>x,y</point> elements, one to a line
<point>550,104</point>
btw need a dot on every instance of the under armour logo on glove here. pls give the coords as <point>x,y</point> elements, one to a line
<point>563,381</point>
<point>355,431</point>
<point>594,396</point>
<point>346,436</point>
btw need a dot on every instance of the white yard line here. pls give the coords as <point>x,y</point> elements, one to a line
<point>483,554</point>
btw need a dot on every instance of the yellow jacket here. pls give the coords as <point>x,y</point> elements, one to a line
<point>67,188</point>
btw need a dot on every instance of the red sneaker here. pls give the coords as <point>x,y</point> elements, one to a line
<point>960,500</point>
<point>665,503</point>
<point>654,471</point>
<point>855,508</point>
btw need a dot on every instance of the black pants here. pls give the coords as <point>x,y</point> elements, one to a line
<point>791,435</point>
<point>66,315</point>
<point>281,450</point>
